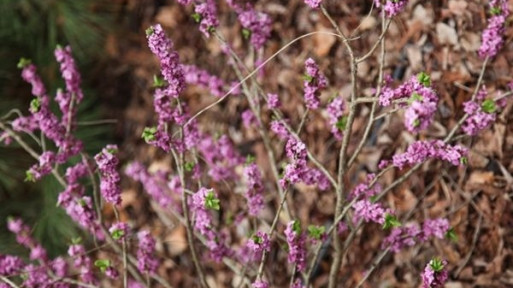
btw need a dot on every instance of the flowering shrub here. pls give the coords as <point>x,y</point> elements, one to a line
<point>206,167</point>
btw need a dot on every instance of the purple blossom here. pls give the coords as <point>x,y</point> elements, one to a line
<point>80,209</point>
<point>432,278</point>
<point>119,231</point>
<point>249,119</point>
<point>421,151</point>
<point>146,261</point>
<point>296,241</point>
<point>421,101</point>
<point>401,237</point>
<point>434,227</point>
<point>481,113</point>
<point>36,277</point>
<point>107,163</point>
<point>363,189</point>
<point>82,262</point>
<point>207,10</point>
<point>259,243</point>
<point>70,74</point>
<point>171,69</point>
<point>260,284</point>
<point>369,212</point>
<point>255,189</point>
<point>22,232</point>
<point>29,74</point>
<point>154,184</point>
<point>111,272</point>
<point>278,127</point>
<point>60,267</point>
<point>313,3</point>
<point>258,24</point>
<point>220,156</point>
<point>10,265</point>
<point>202,78</point>
<point>314,81</point>
<point>273,101</point>
<point>335,112</point>
<point>391,7</point>
<point>491,39</point>
<point>45,166</point>
<point>202,217</point>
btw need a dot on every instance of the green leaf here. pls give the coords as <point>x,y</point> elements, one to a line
<point>150,31</point>
<point>308,78</point>
<point>489,106</point>
<point>296,226</point>
<point>390,221</point>
<point>117,234</point>
<point>158,82</point>
<point>495,10</point>
<point>76,240</point>
<point>464,160</point>
<point>103,264</point>
<point>246,33</point>
<point>416,123</point>
<point>257,239</point>
<point>424,79</point>
<point>29,176</point>
<point>189,166</point>
<point>414,97</point>
<point>24,62</point>
<point>451,235</point>
<point>250,159</point>
<point>211,202</point>
<point>35,105</point>
<point>316,231</point>
<point>149,134</point>
<point>341,123</point>
<point>196,17</point>
<point>436,264</point>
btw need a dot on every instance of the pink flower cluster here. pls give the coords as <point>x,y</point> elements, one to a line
<point>258,24</point>
<point>257,244</point>
<point>435,274</point>
<point>482,113</point>
<point>491,39</point>
<point>200,203</point>
<point>422,101</point>
<point>314,81</point>
<point>391,7</point>
<point>197,76</point>
<point>273,101</point>
<point>156,184</point>
<point>208,14</point>
<point>296,240</point>
<point>119,231</point>
<point>10,265</point>
<point>146,261</point>
<point>22,232</point>
<point>255,189</point>
<point>82,262</point>
<point>107,162</point>
<point>220,156</point>
<point>363,190</point>
<point>298,171</point>
<point>421,151</point>
<point>335,117</point>
<point>368,211</point>
<point>76,205</point>
<point>313,3</point>
<point>404,236</point>
<point>260,284</point>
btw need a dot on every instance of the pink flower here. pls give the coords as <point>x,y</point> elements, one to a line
<point>335,112</point>
<point>491,39</point>
<point>146,261</point>
<point>369,212</point>
<point>207,10</point>
<point>313,3</point>
<point>202,78</point>
<point>109,181</point>
<point>314,81</point>
<point>391,7</point>
<point>296,241</point>
<point>435,274</point>
<point>255,189</point>
<point>273,101</point>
